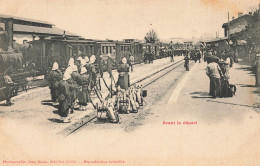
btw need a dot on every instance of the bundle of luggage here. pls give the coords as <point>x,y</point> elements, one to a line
<point>123,101</point>
<point>130,100</point>
<point>107,111</point>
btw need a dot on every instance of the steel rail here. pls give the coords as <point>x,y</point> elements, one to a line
<point>161,73</point>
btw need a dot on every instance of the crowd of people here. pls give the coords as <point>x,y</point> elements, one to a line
<point>72,88</point>
<point>81,77</point>
<point>219,63</point>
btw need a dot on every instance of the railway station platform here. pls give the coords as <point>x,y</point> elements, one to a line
<point>202,129</point>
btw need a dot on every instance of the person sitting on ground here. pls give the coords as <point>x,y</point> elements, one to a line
<point>9,89</point>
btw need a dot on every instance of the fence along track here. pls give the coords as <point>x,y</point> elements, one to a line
<point>154,76</point>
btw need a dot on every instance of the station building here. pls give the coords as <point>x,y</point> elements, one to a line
<point>23,29</point>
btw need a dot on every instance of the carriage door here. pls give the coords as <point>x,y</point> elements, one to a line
<point>155,50</point>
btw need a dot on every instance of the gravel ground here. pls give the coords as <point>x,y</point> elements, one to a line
<point>131,121</point>
<point>226,131</point>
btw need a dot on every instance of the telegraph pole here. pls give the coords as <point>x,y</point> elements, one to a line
<point>228,32</point>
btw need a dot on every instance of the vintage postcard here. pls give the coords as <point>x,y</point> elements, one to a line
<point>129,82</point>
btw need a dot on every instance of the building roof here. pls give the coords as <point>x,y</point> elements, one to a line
<point>34,27</point>
<point>25,29</point>
<point>24,19</point>
<point>214,40</point>
<point>246,16</point>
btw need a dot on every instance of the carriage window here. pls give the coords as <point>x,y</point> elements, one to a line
<point>122,48</point>
<point>103,50</point>
<point>92,50</point>
<point>106,49</point>
<point>81,48</point>
<point>136,49</point>
<point>74,50</point>
<point>126,48</point>
<point>87,51</point>
<point>114,51</point>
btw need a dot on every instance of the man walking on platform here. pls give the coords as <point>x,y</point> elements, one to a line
<point>214,73</point>
<point>131,62</point>
<point>198,55</point>
<point>187,63</point>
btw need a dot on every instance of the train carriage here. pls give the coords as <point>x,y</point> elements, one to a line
<point>103,48</point>
<point>150,52</point>
<point>138,53</point>
<point>46,51</point>
<point>123,49</point>
<point>152,48</point>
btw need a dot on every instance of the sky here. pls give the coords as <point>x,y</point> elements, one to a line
<point>120,19</point>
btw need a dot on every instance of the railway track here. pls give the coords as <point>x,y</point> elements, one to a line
<point>145,81</point>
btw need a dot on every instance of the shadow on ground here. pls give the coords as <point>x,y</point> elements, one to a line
<point>244,105</point>
<point>200,95</point>
<point>245,85</point>
<point>49,103</point>
<point>55,120</point>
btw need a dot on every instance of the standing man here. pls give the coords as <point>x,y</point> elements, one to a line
<point>215,74</point>
<point>55,78</point>
<point>198,55</point>
<point>187,62</point>
<point>131,61</point>
<point>109,64</point>
<point>109,70</point>
<point>145,57</point>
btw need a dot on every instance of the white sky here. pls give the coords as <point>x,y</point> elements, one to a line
<point>119,19</point>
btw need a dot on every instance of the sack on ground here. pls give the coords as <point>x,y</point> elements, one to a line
<point>232,90</point>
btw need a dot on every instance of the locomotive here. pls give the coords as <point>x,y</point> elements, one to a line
<point>11,62</point>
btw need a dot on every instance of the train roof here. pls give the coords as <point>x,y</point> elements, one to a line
<point>67,41</point>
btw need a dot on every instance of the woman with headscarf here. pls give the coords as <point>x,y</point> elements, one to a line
<point>123,76</point>
<point>75,85</point>
<point>55,78</point>
<point>65,96</point>
<point>71,62</point>
<point>84,95</point>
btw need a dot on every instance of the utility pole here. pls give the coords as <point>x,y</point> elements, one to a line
<point>228,31</point>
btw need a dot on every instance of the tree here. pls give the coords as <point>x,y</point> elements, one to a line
<point>151,37</point>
